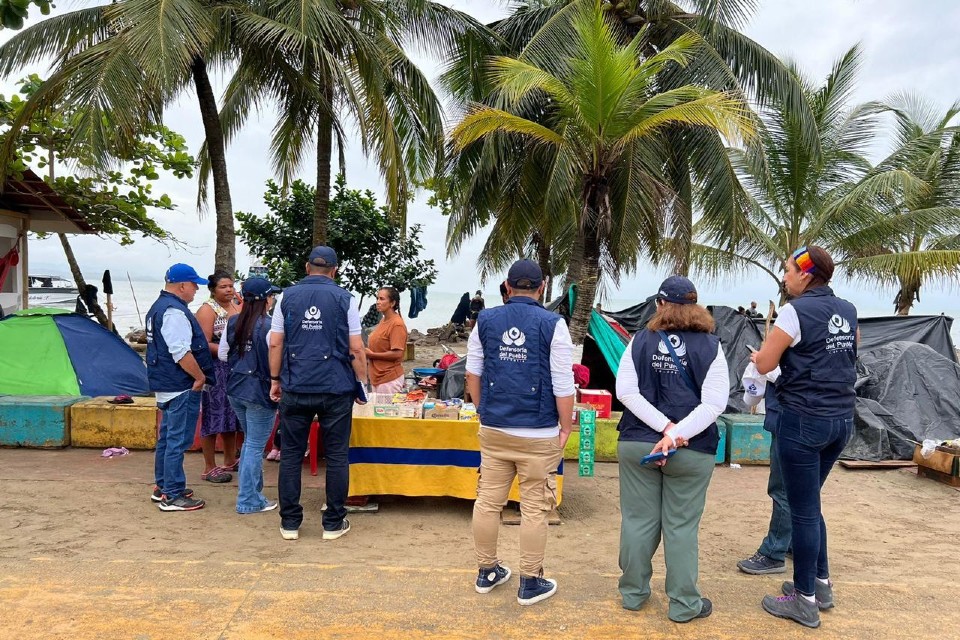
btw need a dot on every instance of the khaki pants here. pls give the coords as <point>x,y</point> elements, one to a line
<point>535,461</point>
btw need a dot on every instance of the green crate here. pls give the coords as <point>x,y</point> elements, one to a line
<point>747,441</point>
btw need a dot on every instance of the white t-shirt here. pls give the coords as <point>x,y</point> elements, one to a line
<point>353,319</point>
<point>789,323</point>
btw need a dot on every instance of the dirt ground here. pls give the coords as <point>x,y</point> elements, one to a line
<point>85,554</point>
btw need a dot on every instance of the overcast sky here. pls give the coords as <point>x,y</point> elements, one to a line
<point>906,48</point>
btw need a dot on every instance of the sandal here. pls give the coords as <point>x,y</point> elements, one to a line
<point>217,475</point>
<point>234,467</point>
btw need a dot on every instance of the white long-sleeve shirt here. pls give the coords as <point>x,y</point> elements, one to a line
<point>561,373</point>
<point>713,397</point>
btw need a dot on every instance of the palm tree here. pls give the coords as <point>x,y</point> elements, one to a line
<point>120,64</point>
<point>602,135</point>
<point>325,69</point>
<point>915,236</point>
<point>698,171</point>
<point>799,197</point>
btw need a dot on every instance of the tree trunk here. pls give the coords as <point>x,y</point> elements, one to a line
<point>321,199</point>
<point>683,238</point>
<point>544,260</point>
<point>225,256</point>
<point>96,309</point>
<point>908,294</point>
<point>589,276</point>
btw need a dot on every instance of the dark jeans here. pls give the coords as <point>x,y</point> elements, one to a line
<point>808,447</point>
<point>777,542</point>
<point>334,411</point>
<point>177,428</point>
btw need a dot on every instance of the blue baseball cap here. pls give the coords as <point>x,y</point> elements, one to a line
<point>322,256</point>
<point>525,274</point>
<point>183,273</point>
<point>677,289</point>
<point>258,289</point>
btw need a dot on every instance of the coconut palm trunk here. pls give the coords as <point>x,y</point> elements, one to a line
<point>908,294</point>
<point>321,199</point>
<point>225,256</point>
<point>544,259</point>
<point>587,281</point>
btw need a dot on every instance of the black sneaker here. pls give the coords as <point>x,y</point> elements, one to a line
<point>182,503</point>
<point>156,496</point>
<point>793,607</point>
<point>336,533</point>
<point>535,589</point>
<point>706,608</point>
<point>760,565</point>
<point>822,592</point>
<point>490,578</point>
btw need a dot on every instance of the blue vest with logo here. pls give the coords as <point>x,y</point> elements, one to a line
<point>516,387</point>
<point>316,343</point>
<point>162,372</point>
<point>663,386</point>
<point>817,374</point>
<point>250,373</point>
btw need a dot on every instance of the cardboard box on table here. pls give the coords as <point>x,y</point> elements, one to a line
<point>599,399</point>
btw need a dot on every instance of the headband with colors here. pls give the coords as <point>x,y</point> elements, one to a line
<point>804,262</point>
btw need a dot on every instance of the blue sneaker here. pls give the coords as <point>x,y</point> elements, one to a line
<point>534,589</point>
<point>490,578</point>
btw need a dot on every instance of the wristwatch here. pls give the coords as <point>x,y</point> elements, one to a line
<point>275,378</point>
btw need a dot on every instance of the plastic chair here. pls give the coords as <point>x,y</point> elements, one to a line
<point>314,444</point>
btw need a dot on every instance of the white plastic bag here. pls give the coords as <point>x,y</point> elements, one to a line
<point>929,446</point>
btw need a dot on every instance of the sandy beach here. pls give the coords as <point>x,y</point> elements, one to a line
<point>85,554</point>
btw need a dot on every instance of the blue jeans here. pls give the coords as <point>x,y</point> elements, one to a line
<point>256,421</point>
<point>177,428</point>
<point>777,542</point>
<point>335,413</point>
<point>808,447</point>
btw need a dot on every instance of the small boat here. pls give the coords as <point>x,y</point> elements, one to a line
<point>51,290</point>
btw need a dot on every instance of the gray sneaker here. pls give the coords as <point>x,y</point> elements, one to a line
<point>793,607</point>
<point>823,593</point>
<point>761,565</point>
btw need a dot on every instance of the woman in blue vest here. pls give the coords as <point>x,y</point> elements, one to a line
<point>673,383</point>
<point>814,342</point>
<point>245,346</point>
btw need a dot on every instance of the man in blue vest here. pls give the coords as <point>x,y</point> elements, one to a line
<point>178,365</point>
<point>519,365</point>
<point>317,359</point>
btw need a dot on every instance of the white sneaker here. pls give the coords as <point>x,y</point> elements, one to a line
<point>336,533</point>
<point>289,534</point>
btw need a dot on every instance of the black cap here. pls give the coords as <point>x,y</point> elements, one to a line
<point>322,256</point>
<point>675,289</point>
<point>525,274</point>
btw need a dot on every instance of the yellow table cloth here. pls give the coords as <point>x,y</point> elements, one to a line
<point>409,457</point>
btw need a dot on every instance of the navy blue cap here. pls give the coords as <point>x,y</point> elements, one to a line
<point>322,256</point>
<point>675,289</point>
<point>525,274</point>
<point>183,273</point>
<point>258,289</point>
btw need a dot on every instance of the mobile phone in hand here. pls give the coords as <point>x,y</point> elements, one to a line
<point>660,455</point>
<point>752,348</point>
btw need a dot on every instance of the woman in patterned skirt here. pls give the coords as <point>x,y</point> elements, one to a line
<point>216,416</point>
